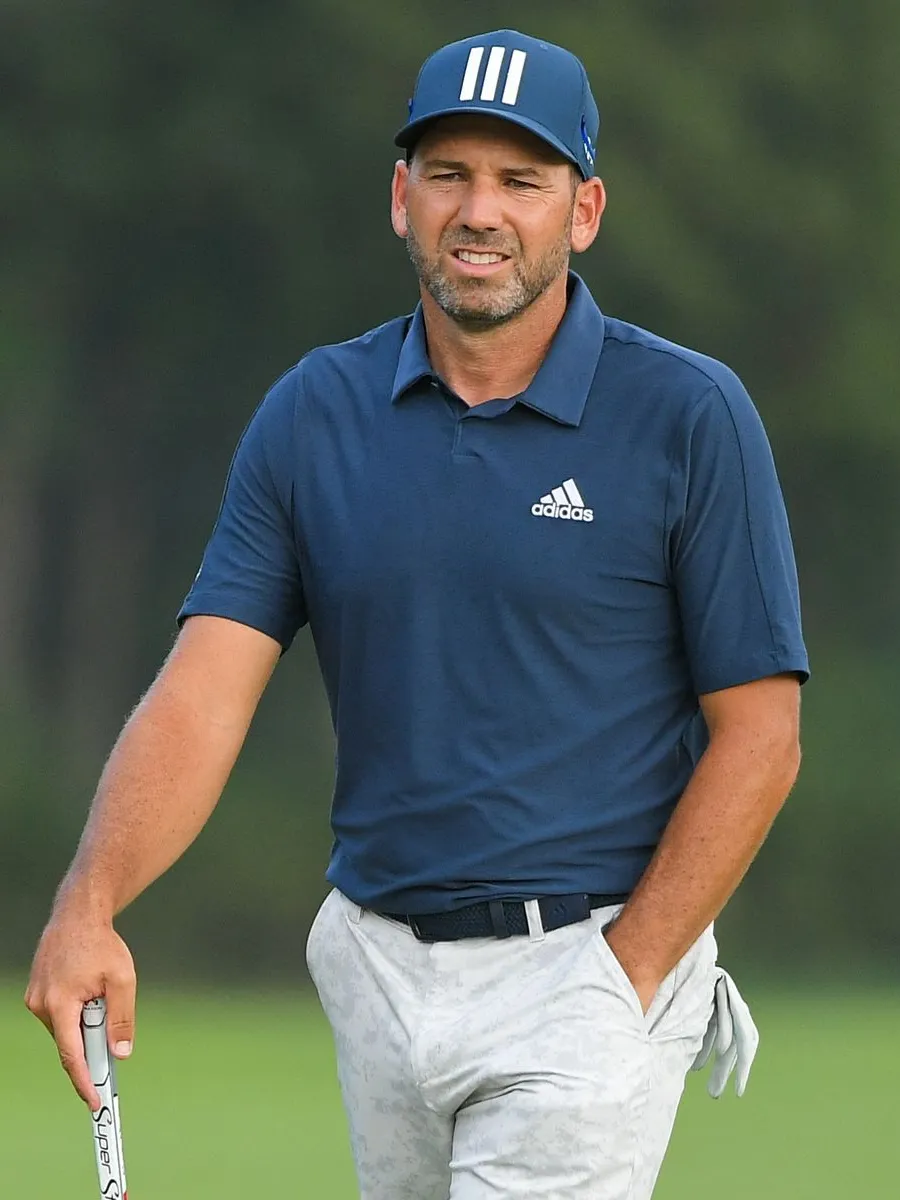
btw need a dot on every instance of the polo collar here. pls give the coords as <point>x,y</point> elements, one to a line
<point>413,363</point>
<point>561,387</point>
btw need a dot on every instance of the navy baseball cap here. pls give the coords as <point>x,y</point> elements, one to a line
<point>506,74</point>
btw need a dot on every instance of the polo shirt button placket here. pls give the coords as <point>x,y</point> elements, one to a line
<point>458,450</point>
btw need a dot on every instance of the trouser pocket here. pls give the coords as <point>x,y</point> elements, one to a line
<point>617,975</point>
<point>315,935</point>
<point>663,1017</point>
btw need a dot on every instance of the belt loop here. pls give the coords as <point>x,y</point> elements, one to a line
<point>354,912</point>
<point>498,919</point>
<point>416,928</point>
<point>533,917</point>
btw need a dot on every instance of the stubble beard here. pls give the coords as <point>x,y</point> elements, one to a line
<point>481,304</point>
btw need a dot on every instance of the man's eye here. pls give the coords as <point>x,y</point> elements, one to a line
<point>520,184</point>
<point>447,176</point>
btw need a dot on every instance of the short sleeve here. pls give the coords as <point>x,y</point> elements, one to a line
<point>730,551</point>
<point>251,570</point>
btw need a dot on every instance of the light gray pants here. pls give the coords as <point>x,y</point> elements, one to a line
<point>490,1068</point>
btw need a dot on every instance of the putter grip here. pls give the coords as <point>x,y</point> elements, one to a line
<point>106,1125</point>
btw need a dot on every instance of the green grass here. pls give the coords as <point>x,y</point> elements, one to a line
<point>234,1097</point>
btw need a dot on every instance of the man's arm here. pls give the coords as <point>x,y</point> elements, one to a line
<point>160,784</point>
<point>718,826</point>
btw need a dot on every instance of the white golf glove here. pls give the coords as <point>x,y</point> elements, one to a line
<point>732,1035</point>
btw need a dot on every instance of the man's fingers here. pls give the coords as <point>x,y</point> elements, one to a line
<point>34,1002</point>
<point>76,961</point>
<point>67,1033</point>
<point>121,991</point>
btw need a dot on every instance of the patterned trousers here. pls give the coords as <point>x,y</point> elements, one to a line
<point>489,1069</point>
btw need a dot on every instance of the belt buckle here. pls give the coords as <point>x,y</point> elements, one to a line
<point>566,910</point>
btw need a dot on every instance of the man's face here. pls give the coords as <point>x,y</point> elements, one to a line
<point>486,209</point>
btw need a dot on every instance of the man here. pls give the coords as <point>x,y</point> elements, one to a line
<point>546,565</point>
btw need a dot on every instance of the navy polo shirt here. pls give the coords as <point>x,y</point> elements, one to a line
<point>515,606</point>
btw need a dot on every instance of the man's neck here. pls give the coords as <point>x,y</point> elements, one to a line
<point>497,362</point>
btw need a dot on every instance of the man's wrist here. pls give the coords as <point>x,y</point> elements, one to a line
<point>83,897</point>
<point>644,976</point>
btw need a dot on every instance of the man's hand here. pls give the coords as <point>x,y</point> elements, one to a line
<point>80,957</point>
<point>161,782</point>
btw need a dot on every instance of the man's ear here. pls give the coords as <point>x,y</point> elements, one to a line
<point>590,201</point>
<point>399,185</point>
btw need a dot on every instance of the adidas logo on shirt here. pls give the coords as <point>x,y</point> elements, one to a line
<point>565,503</point>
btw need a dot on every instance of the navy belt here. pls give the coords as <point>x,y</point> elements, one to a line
<point>501,918</point>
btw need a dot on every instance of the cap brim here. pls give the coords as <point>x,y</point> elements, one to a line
<point>410,134</point>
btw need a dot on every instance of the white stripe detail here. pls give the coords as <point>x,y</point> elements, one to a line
<point>573,493</point>
<point>560,496</point>
<point>470,79</point>
<point>548,499</point>
<point>535,924</point>
<point>492,74</point>
<point>514,77</point>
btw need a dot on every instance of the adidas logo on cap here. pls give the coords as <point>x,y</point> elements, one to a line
<point>564,503</point>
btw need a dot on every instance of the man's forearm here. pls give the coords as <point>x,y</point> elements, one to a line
<point>162,781</point>
<point>160,784</point>
<point>717,828</point>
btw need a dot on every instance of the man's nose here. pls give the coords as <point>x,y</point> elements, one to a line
<point>481,207</point>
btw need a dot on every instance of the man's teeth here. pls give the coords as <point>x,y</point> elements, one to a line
<point>480,259</point>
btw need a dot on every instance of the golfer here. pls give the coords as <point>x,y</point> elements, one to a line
<point>545,561</point>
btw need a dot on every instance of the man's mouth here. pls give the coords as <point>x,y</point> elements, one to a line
<point>480,259</point>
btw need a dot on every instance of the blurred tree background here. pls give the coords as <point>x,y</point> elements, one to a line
<point>194,195</point>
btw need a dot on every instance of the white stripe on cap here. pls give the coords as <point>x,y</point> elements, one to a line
<point>470,79</point>
<point>514,77</point>
<point>492,74</point>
